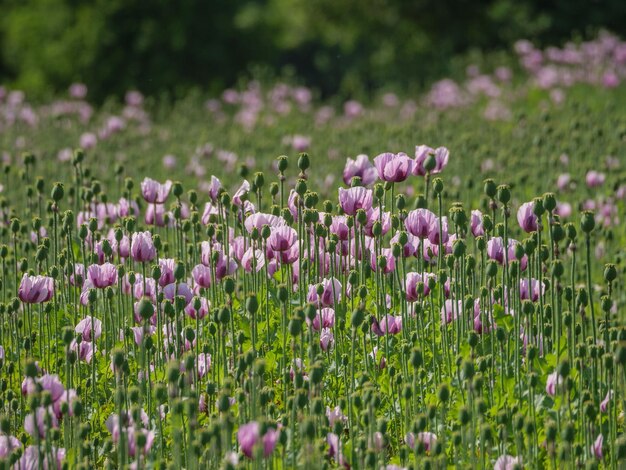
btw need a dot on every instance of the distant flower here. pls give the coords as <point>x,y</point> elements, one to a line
<point>594,178</point>
<point>360,167</point>
<point>7,445</point>
<point>78,91</point>
<point>88,140</point>
<point>506,462</point>
<point>249,436</point>
<point>554,380</point>
<point>155,192</point>
<point>563,181</point>
<point>596,447</point>
<point>604,405</point>
<point>169,162</point>
<point>422,152</point>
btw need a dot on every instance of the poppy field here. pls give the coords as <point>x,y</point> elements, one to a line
<point>269,280</point>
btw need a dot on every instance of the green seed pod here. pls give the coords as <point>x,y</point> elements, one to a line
<point>301,187</point>
<point>303,162</point>
<point>357,318</point>
<point>283,162</point>
<point>504,193</point>
<point>437,185</point>
<point>549,201</point>
<point>587,222</point>
<point>610,272</point>
<point>490,188</point>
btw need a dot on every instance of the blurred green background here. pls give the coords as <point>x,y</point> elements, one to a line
<point>166,48</point>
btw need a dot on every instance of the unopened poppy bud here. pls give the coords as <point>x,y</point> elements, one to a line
<point>303,162</point>
<point>557,269</point>
<point>146,309</point>
<point>610,272</point>
<point>489,188</point>
<point>437,185</point>
<point>587,221</point>
<point>301,187</point>
<point>229,285</point>
<point>57,192</point>
<point>357,318</point>
<point>283,294</point>
<point>458,248</point>
<point>504,193</point>
<point>379,191</point>
<point>282,163</point>
<point>118,358</point>
<point>377,228</point>
<point>549,201</point>
<point>295,326</point>
<point>538,208</point>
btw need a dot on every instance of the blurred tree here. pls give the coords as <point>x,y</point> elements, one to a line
<point>336,45</point>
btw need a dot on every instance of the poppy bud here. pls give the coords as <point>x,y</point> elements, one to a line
<point>504,193</point>
<point>490,188</point>
<point>587,222</point>
<point>610,272</point>
<point>301,187</point>
<point>303,162</point>
<point>549,201</point>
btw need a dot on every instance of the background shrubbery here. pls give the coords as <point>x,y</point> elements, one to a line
<point>334,45</point>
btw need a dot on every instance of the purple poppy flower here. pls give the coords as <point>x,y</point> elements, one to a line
<point>411,282</point>
<point>594,179</point>
<point>604,405</point>
<point>476,223</point>
<point>596,447</point>
<point>553,381</point>
<point>249,436</point>
<point>102,276</point>
<point>7,445</point>
<point>35,423</point>
<point>419,222</point>
<point>353,199</point>
<point>90,328</point>
<point>331,293</point>
<point>536,289</point>
<point>450,311</point>
<point>204,364</point>
<point>393,167</point>
<point>360,167</point>
<point>36,289</point>
<point>422,152</point>
<point>327,340</point>
<point>526,217</point>
<point>389,324</point>
<point>260,219</point>
<point>155,192</point>
<point>282,238</point>
<point>325,318</point>
<point>142,248</point>
<point>507,462</point>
